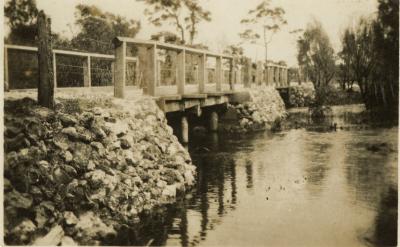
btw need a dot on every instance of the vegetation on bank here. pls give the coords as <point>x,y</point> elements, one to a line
<point>369,57</point>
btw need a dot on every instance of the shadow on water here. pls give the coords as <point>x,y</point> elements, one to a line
<point>313,185</point>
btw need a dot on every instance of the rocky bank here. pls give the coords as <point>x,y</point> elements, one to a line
<point>265,110</point>
<point>77,174</point>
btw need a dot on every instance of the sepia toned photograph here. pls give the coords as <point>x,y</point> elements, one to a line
<point>199,123</point>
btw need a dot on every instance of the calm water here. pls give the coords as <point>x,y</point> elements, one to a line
<point>299,187</point>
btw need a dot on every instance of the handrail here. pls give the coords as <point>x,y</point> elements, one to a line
<point>65,52</point>
<point>171,46</point>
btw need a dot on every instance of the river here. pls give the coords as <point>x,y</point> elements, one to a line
<point>310,186</point>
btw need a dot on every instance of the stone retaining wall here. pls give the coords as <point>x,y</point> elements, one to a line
<point>77,174</point>
<point>264,110</point>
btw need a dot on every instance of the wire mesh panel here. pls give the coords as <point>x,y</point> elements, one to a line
<point>192,62</point>
<point>101,72</point>
<point>132,78</point>
<point>70,70</point>
<point>22,69</point>
<point>211,63</point>
<point>167,62</point>
<point>226,70</point>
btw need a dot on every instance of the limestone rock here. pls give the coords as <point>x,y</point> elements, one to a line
<point>67,120</point>
<point>24,230</point>
<point>53,238</point>
<point>70,218</point>
<point>68,241</point>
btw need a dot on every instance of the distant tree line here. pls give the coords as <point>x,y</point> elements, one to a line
<point>94,32</point>
<point>97,28</point>
<point>369,57</point>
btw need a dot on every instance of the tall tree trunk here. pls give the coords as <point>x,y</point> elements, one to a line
<point>383,95</point>
<point>46,76</point>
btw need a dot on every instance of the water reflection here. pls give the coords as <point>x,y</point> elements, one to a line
<point>294,188</point>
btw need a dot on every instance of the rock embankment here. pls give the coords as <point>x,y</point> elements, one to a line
<point>264,111</point>
<point>77,174</point>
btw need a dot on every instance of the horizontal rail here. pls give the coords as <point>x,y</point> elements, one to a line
<point>64,52</point>
<point>172,47</point>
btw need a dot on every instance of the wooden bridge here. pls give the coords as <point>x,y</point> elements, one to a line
<point>180,78</point>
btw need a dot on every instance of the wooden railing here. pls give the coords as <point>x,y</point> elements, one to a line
<point>163,69</point>
<point>149,65</point>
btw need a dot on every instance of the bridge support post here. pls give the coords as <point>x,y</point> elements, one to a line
<point>184,130</point>
<point>213,121</point>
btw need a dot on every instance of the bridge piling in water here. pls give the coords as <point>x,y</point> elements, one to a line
<point>213,121</point>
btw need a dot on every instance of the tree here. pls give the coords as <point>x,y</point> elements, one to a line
<point>167,37</point>
<point>263,21</point>
<point>21,17</point>
<point>316,56</point>
<point>371,52</point>
<point>197,14</point>
<point>345,71</point>
<point>98,29</point>
<point>185,15</point>
<point>358,52</point>
<point>386,47</point>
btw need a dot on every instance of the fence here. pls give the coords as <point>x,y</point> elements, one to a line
<point>71,68</point>
<point>157,68</point>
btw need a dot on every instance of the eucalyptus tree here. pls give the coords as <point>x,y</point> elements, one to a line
<point>21,17</point>
<point>262,23</point>
<point>97,28</point>
<point>185,15</point>
<point>317,57</point>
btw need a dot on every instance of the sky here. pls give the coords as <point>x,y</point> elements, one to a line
<point>223,30</point>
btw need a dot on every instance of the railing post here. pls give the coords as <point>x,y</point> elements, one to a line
<point>6,78</point>
<point>112,73</point>
<point>271,75</point>
<point>286,77</point>
<point>120,70</point>
<point>46,75</point>
<point>89,61</point>
<point>232,73</point>
<point>55,69</point>
<point>181,72</point>
<point>259,73</point>
<point>202,73</point>
<point>87,77</point>
<point>247,73</point>
<point>218,73</point>
<point>148,64</point>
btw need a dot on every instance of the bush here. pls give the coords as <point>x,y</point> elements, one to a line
<point>302,95</point>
